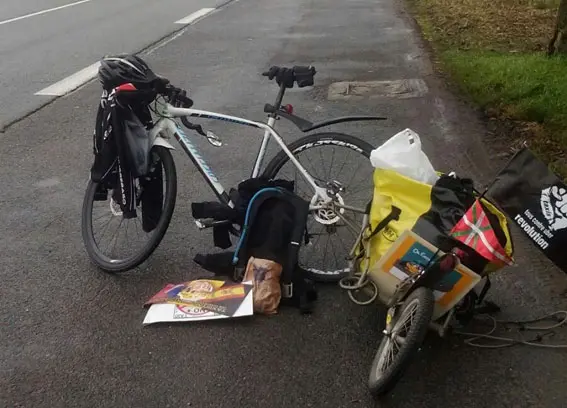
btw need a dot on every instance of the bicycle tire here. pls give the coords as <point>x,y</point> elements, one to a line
<point>307,142</point>
<point>381,385</point>
<point>103,261</point>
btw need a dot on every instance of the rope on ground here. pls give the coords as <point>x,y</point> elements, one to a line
<point>524,325</point>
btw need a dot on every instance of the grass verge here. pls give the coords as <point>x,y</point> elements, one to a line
<point>494,51</point>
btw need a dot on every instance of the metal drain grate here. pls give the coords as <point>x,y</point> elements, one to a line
<point>401,89</point>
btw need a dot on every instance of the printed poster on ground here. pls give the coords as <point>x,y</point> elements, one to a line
<point>201,299</point>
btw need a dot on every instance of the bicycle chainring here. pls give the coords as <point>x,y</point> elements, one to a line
<point>328,214</point>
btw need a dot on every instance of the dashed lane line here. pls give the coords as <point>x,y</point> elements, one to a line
<point>85,75</point>
<point>38,13</point>
<point>195,16</point>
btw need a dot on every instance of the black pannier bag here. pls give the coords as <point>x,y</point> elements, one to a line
<point>273,222</point>
<point>104,147</point>
<point>137,142</point>
<point>121,148</point>
<point>152,196</point>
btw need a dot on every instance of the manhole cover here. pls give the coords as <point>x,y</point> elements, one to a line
<point>401,88</point>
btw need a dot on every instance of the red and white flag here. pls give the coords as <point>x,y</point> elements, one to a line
<point>475,231</point>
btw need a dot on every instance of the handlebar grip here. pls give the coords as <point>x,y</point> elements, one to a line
<point>178,98</point>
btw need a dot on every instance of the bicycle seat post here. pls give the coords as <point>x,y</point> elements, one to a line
<point>279,99</point>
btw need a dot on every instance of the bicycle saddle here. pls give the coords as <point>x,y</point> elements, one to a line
<point>301,75</point>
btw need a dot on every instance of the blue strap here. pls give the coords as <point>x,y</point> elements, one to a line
<point>245,227</point>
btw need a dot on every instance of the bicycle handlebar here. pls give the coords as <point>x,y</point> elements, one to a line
<point>177,97</point>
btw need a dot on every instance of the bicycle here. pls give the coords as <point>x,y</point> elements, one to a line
<point>327,197</point>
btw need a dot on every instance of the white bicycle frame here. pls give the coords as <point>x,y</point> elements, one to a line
<point>166,127</point>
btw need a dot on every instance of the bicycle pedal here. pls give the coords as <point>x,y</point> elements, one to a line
<point>200,225</point>
<point>204,224</point>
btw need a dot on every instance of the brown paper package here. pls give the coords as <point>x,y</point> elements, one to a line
<point>267,290</point>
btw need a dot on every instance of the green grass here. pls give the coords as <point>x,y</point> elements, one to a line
<point>495,52</point>
<point>527,87</point>
<point>545,4</point>
<point>521,87</point>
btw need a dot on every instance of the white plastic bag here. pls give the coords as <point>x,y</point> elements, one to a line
<point>402,153</point>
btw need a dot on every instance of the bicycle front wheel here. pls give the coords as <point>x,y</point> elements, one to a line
<point>408,329</point>
<point>116,244</point>
<point>341,164</point>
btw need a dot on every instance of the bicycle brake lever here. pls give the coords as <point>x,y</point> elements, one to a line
<point>191,126</point>
<point>211,137</point>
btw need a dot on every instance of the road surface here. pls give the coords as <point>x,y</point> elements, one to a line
<point>72,336</point>
<point>44,42</point>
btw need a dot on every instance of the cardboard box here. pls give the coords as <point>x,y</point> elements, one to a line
<point>408,256</point>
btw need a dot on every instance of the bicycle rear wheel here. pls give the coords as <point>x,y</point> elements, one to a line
<point>102,245</point>
<point>408,329</point>
<point>335,161</point>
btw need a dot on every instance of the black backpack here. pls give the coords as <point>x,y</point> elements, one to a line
<point>273,222</point>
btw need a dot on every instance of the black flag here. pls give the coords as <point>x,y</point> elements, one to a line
<point>535,199</point>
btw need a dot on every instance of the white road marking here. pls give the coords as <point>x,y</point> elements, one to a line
<point>72,82</point>
<point>43,12</point>
<point>194,16</point>
<point>78,79</point>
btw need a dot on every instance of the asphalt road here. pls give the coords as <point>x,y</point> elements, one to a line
<point>71,336</point>
<point>42,49</point>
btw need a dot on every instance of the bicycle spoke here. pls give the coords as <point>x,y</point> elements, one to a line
<point>126,233</point>
<point>354,174</point>
<point>340,162</point>
<point>137,230</point>
<point>323,164</point>
<point>138,222</point>
<point>367,188</point>
<point>352,227</point>
<point>344,247</point>
<point>98,218</point>
<point>342,167</point>
<point>105,227</point>
<point>332,161</point>
<point>326,248</point>
<point>399,341</point>
<point>337,263</point>
<point>407,316</point>
<point>117,235</point>
<point>312,171</point>
<point>318,238</point>
<point>387,357</point>
<point>301,192</point>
